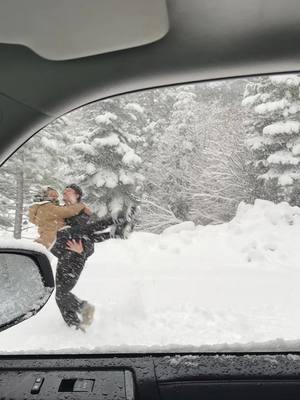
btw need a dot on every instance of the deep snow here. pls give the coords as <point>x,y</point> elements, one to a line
<point>233,286</point>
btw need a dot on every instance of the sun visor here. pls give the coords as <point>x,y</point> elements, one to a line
<point>67,29</point>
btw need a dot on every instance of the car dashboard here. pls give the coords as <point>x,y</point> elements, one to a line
<point>150,377</point>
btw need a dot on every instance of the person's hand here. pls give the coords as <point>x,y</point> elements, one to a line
<point>87,211</point>
<point>77,247</point>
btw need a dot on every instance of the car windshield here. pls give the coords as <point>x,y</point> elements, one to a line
<point>172,219</point>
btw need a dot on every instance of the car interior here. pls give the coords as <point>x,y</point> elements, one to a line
<point>58,56</point>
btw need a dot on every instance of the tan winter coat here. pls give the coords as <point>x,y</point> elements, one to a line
<point>49,218</point>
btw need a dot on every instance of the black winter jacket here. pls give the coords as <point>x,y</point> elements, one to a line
<point>81,227</point>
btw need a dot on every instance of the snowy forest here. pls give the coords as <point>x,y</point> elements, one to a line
<point>183,153</point>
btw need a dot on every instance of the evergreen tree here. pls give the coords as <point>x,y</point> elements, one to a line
<point>108,164</point>
<point>177,146</point>
<point>274,135</point>
<point>199,168</point>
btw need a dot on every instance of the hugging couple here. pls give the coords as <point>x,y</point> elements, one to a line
<point>70,231</point>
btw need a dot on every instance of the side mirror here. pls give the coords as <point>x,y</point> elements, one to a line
<point>26,284</point>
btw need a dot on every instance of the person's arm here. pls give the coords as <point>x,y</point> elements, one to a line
<point>100,237</point>
<point>68,211</point>
<point>32,213</point>
<point>88,211</point>
<point>91,228</point>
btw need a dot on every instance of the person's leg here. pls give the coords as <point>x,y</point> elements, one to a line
<point>69,268</point>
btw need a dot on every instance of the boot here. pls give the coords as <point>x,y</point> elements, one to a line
<point>87,314</point>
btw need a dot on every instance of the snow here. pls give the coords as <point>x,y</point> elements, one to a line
<point>85,148</point>
<point>106,118</point>
<point>116,205</point>
<point>250,100</point>
<point>283,157</point>
<point>132,138</point>
<point>279,128</point>
<point>294,108</point>
<point>184,98</point>
<point>288,79</point>
<point>183,226</point>
<point>271,106</point>
<point>105,178</point>
<point>123,148</point>
<point>134,107</point>
<point>228,364</point>
<point>24,244</point>
<point>90,169</point>
<point>284,178</point>
<point>231,287</point>
<point>258,142</point>
<point>132,116</point>
<point>130,158</point>
<point>50,144</point>
<point>296,150</point>
<point>126,178</point>
<point>110,141</point>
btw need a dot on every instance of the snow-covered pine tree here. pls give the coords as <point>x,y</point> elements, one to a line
<point>214,174</point>
<point>108,165</point>
<point>56,140</point>
<point>219,177</point>
<point>157,104</point>
<point>177,146</point>
<point>274,135</point>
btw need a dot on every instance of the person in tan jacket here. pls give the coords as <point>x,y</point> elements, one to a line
<point>49,217</point>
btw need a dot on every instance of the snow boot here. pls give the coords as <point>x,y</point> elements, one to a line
<point>81,328</point>
<point>87,314</point>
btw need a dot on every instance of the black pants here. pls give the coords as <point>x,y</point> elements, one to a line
<point>69,268</point>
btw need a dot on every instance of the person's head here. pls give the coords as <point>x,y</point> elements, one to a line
<point>72,194</point>
<point>46,193</point>
<point>52,194</point>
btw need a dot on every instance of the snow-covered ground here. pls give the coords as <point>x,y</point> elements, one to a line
<point>224,287</point>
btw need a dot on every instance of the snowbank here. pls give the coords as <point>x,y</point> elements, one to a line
<point>226,287</point>
<point>184,226</point>
<point>267,233</point>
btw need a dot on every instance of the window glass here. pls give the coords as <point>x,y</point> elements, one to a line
<point>172,217</point>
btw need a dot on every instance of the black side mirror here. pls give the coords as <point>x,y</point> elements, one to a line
<point>26,284</point>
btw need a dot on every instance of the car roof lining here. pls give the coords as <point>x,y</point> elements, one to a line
<point>207,40</point>
<point>68,29</point>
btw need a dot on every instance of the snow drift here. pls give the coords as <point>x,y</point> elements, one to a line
<point>227,287</point>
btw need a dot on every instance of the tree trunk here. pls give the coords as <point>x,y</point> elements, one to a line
<point>19,204</point>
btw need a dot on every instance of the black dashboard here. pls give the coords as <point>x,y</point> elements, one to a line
<point>151,377</point>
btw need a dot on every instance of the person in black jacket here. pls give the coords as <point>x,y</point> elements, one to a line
<point>74,244</point>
